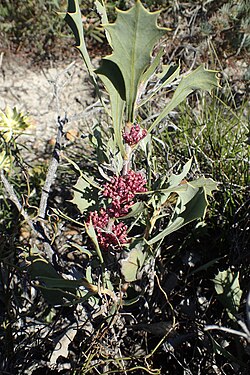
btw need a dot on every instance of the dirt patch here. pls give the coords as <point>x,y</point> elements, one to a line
<point>45,93</point>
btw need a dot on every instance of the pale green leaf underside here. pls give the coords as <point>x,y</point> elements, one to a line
<point>227,287</point>
<point>116,90</point>
<point>83,195</point>
<point>90,230</point>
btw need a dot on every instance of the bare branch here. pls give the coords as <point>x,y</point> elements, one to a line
<point>52,170</point>
<point>228,330</point>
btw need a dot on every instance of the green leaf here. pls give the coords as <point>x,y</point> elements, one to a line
<point>41,267</point>
<point>41,270</point>
<point>101,9</point>
<point>191,205</point>
<point>132,264</point>
<point>207,183</point>
<point>74,20</point>
<point>60,283</point>
<point>227,286</point>
<point>84,196</point>
<point>133,37</point>
<point>81,249</point>
<point>134,210</point>
<point>56,296</point>
<point>199,79</point>
<point>168,75</point>
<point>92,235</point>
<point>153,66</point>
<point>173,184</point>
<point>175,179</point>
<point>116,88</point>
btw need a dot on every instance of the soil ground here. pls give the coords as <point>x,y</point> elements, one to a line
<point>45,93</point>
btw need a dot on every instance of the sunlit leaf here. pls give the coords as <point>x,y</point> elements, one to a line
<point>133,37</point>
<point>132,264</point>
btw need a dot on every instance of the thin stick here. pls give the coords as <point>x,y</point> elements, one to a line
<point>50,177</point>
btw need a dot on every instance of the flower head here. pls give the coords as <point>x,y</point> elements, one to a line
<point>109,234</point>
<point>135,134</point>
<point>13,122</point>
<point>122,190</point>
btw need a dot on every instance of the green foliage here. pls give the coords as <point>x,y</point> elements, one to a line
<point>85,194</point>
<point>200,79</point>
<point>133,263</point>
<point>74,20</point>
<point>227,286</point>
<point>32,23</point>
<point>216,135</point>
<point>133,37</point>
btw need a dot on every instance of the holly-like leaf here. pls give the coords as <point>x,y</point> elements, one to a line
<point>207,183</point>
<point>133,37</point>
<point>199,79</point>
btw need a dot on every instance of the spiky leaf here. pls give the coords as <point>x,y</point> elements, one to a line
<point>73,18</point>
<point>133,37</point>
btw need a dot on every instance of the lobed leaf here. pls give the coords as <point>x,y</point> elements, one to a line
<point>133,37</point>
<point>191,205</point>
<point>73,18</point>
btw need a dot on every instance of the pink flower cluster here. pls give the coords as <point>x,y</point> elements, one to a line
<point>113,237</point>
<point>135,135</point>
<point>122,190</point>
